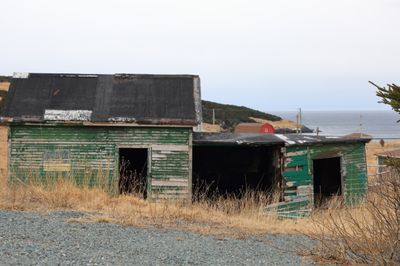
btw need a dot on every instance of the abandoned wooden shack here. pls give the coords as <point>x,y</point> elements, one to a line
<point>140,129</point>
<point>317,168</point>
<point>309,170</point>
<point>117,126</point>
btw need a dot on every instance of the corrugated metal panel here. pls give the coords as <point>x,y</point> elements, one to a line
<point>298,176</point>
<point>89,152</point>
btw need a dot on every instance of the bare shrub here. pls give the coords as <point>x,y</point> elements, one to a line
<point>365,234</point>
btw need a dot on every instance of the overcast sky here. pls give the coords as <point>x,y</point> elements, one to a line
<point>269,55</point>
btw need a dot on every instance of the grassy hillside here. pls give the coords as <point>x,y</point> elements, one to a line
<point>5,78</point>
<point>230,115</point>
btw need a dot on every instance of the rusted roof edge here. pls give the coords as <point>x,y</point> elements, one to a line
<point>6,121</point>
<point>234,139</point>
<point>336,141</point>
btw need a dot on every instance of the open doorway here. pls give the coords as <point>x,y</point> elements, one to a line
<point>327,179</point>
<point>133,169</point>
<point>233,170</point>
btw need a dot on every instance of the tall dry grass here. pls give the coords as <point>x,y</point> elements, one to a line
<point>224,215</point>
<point>367,233</point>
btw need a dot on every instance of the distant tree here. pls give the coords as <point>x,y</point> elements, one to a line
<point>5,78</point>
<point>389,95</point>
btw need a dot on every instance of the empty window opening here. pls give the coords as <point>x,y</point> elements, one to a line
<point>133,170</point>
<point>232,170</point>
<point>327,180</point>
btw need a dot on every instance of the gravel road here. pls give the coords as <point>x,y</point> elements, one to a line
<point>50,239</point>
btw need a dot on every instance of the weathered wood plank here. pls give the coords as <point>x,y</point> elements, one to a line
<point>92,149</point>
<point>169,183</point>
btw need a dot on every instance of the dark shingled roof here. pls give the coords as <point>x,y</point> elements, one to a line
<point>119,98</point>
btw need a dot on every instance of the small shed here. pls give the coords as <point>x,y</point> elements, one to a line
<point>317,168</point>
<point>119,127</point>
<point>309,170</point>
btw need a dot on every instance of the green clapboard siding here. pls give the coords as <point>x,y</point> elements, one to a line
<point>298,176</point>
<point>90,154</point>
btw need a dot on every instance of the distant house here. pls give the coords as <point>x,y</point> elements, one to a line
<point>264,128</point>
<point>87,126</point>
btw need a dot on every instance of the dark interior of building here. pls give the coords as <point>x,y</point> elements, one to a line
<point>327,179</point>
<point>227,170</point>
<point>133,171</point>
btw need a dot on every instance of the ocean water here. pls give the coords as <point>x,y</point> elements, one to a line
<point>378,124</point>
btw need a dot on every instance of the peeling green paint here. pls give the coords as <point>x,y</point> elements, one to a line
<point>87,153</point>
<point>297,183</point>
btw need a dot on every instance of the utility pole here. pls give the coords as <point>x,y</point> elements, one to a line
<point>301,122</point>
<point>213,118</point>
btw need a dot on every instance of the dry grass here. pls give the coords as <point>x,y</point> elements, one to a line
<point>4,86</point>
<point>222,216</point>
<point>365,234</point>
<point>206,127</point>
<point>356,234</point>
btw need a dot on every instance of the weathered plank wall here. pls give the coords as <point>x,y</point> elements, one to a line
<point>298,174</point>
<point>90,153</point>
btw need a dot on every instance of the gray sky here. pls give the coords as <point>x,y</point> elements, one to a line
<point>269,55</point>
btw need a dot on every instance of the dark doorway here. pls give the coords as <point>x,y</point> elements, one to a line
<point>327,179</point>
<point>233,170</point>
<point>133,171</point>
